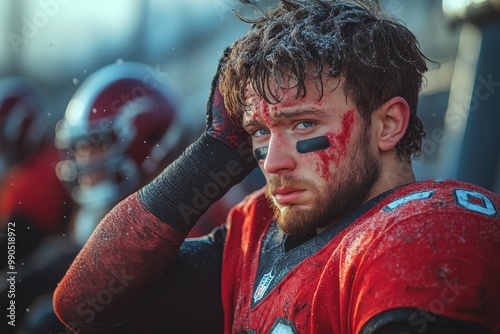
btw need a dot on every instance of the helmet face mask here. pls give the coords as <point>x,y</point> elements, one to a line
<point>96,172</point>
<point>113,135</point>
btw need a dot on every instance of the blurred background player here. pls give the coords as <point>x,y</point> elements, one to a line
<point>21,102</point>
<point>33,202</point>
<point>116,137</point>
<point>121,127</point>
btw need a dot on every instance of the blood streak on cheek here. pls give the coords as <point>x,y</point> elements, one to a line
<point>338,147</point>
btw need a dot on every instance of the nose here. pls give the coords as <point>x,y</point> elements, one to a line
<point>281,155</point>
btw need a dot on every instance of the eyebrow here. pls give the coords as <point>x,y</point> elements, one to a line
<point>287,114</point>
<point>249,123</point>
<point>299,112</point>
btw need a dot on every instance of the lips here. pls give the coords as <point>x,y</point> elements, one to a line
<point>287,195</point>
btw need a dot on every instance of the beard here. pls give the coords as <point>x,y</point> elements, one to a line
<point>340,196</point>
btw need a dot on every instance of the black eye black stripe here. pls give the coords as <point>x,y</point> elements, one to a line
<point>313,144</point>
<point>303,146</point>
<point>260,153</point>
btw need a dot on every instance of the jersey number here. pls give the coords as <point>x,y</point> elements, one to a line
<point>467,199</point>
<point>474,201</point>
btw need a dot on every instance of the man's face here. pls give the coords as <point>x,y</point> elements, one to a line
<point>314,153</point>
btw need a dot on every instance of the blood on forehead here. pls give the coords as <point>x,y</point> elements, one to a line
<point>268,111</point>
<point>260,109</point>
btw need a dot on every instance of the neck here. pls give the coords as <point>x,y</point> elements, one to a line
<point>393,174</point>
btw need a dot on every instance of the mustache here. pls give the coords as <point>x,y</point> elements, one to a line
<point>288,181</point>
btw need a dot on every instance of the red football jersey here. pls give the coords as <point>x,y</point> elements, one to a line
<point>432,245</point>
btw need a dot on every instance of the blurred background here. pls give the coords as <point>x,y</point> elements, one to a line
<point>59,43</point>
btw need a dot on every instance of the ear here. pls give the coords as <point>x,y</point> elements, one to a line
<point>392,120</point>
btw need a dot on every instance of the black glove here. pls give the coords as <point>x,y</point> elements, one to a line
<point>219,124</point>
<point>208,168</point>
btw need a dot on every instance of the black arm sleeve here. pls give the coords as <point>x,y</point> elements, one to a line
<point>190,295</point>
<point>135,270</point>
<point>415,321</point>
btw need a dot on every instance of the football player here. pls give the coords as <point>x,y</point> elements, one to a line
<point>33,203</point>
<point>120,129</point>
<point>342,239</point>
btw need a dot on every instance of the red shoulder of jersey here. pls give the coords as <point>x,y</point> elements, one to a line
<point>433,246</point>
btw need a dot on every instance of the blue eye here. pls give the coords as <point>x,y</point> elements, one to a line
<point>305,125</point>
<point>260,132</point>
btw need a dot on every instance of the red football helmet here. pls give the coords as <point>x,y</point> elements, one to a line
<point>22,125</point>
<point>118,130</point>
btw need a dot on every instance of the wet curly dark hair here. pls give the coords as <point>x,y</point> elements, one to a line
<point>378,57</point>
